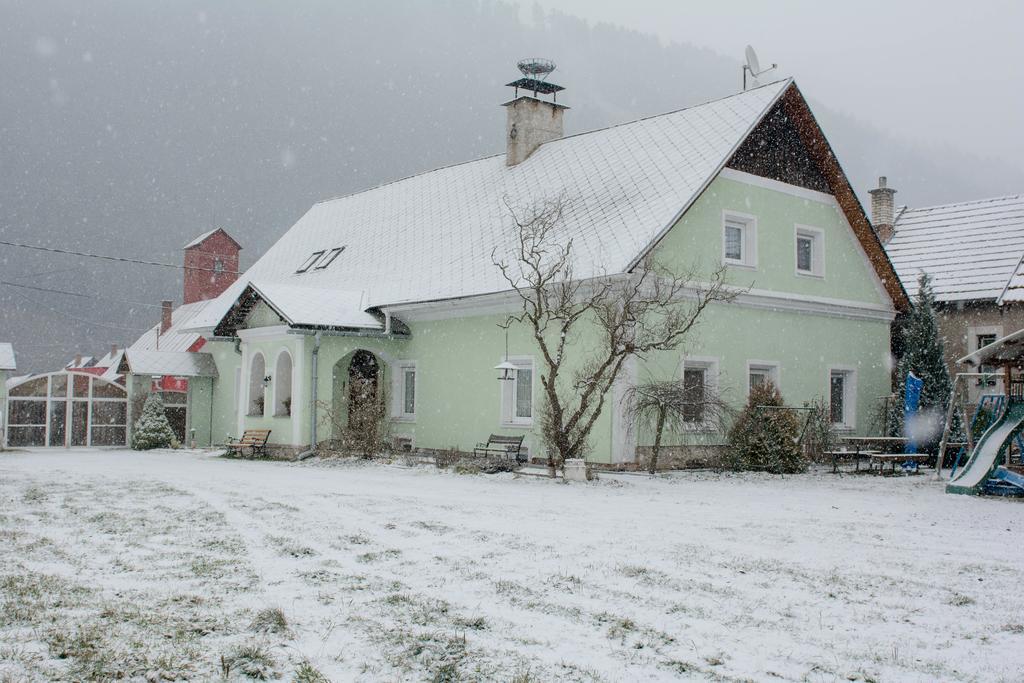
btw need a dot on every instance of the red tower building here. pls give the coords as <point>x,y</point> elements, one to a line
<point>211,265</point>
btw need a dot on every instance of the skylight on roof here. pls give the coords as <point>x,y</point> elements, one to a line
<point>329,259</point>
<point>308,263</point>
<point>319,260</point>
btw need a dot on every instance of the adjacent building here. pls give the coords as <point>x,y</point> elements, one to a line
<point>393,290</point>
<point>973,253</point>
<point>94,402</point>
<point>7,366</point>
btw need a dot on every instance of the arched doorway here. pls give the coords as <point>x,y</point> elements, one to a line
<point>363,375</point>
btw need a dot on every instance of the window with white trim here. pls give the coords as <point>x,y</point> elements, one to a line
<point>517,394</point>
<point>700,381</point>
<point>405,391</point>
<point>810,251</point>
<point>842,395</point>
<point>979,336</point>
<point>739,240</point>
<point>759,372</point>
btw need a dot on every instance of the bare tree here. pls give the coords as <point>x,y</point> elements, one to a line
<point>648,309</point>
<point>671,406</point>
<point>362,428</point>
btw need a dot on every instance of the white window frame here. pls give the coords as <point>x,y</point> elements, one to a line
<point>773,371</point>
<point>975,331</point>
<point>398,391</point>
<point>508,393</point>
<point>817,237</point>
<point>748,257</point>
<point>710,366</point>
<point>849,422</point>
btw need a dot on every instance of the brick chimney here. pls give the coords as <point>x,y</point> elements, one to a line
<point>166,310</point>
<point>883,211</point>
<point>532,121</point>
<point>211,265</point>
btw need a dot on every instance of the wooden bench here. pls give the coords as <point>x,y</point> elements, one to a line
<point>502,445</point>
<point>897,459</point>
<point>253,439</point>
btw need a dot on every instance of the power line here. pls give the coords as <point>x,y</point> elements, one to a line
<point>83,320</point>
<point>121,259</point>
<point>77,294</point>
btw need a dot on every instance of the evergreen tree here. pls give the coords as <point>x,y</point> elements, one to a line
<point>152,430</point>
<point>923,354</point>
<point>764,436</point>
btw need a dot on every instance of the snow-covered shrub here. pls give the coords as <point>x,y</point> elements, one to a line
<point>765,436</point>
<point>152,430</point>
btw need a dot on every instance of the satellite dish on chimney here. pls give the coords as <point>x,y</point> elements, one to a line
<point>535,67</point>
<point>753,66</point>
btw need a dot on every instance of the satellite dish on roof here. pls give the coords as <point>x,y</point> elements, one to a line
<point>753,66</point>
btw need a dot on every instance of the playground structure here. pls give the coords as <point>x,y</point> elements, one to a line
<point>993,463</point>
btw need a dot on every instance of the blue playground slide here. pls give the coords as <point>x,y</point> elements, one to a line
<point>983,465</point>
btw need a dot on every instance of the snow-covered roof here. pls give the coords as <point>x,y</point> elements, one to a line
<point>209,233</point>
<point>970,249</point>
<point>83,362</point>
<point>316,306</point>
<point>169,363</point>
<point>431,236</point>
<point>7,357</point>
<point>177,338</point>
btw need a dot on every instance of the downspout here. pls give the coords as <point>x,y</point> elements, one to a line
<point>312,408</point>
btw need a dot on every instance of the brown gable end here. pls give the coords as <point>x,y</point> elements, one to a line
<point>797,110</point>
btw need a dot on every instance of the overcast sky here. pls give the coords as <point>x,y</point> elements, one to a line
<point>939,72</point>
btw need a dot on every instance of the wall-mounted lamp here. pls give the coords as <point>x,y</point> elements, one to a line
<point>266,381</point>
<point>508,370</point>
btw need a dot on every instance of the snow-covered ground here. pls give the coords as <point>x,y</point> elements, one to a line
<point>114,563</point>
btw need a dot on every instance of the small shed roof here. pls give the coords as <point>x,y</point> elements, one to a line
<point>169,363</point>
<point>1008,349</point>
<point>7,357</point>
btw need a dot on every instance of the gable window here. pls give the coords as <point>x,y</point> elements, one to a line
<point>759,372</point>
<point>308,263</point>
<point>404,404</point>
<point>517,394</point>
<point>842,398</point>
<point>810,251</point>
<point>739,240</point>
<point>329,259</point>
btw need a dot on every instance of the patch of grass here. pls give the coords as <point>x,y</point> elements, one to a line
<point>249,659</point>
<point>477,623</point>
<point>307,673</point>
<point>34,494</point>
<point>960,600</point>
<point>269,620</point>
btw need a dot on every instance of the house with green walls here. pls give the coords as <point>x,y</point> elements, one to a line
<point>395,288</point>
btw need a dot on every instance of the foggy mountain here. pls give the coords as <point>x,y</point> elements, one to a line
<point>130,127</point>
